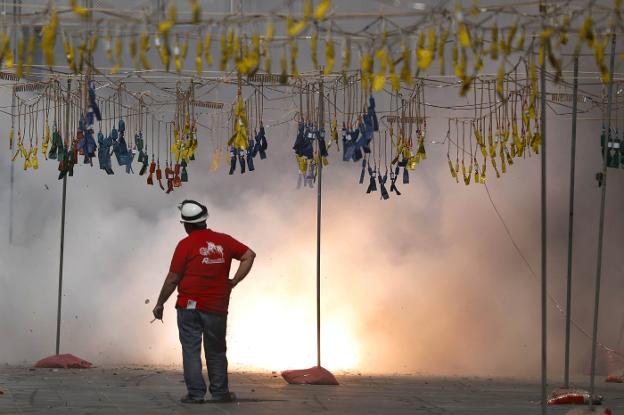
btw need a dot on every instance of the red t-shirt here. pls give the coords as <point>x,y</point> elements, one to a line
<point>203,260</point>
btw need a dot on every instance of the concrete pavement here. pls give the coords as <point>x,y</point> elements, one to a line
<point>150,390</point>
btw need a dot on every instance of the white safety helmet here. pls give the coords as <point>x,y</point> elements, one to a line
<point>192,212</point>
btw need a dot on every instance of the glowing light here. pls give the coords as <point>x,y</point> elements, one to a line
<point>278,335</point>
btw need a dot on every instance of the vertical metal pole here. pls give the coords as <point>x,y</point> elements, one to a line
<point>620,336</point>
<point>318,231</point>
<point>12,176</point>
<point>544,238</point>
<point>601,225</point>
<point>12,180</point>
<point>566,375</point>
<point>60,288</point>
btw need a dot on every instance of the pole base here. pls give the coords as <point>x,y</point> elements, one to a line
<point>63,361</point>
<point>316,375</point>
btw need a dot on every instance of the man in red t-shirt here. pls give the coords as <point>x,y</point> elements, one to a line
<point>200,269</point>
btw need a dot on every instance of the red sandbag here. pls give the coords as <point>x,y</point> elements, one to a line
<point>573,397</point>
<point>63,361</point>
<point>569,399</point>
<point>614,379</point>
<point>313,376</point>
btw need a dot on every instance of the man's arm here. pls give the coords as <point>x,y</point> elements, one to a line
<point>244,267</point>
<point>169,286</point>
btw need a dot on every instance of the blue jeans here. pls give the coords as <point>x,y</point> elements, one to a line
<point>192,324</point>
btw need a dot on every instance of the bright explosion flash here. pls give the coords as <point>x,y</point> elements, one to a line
<point>283,336</point>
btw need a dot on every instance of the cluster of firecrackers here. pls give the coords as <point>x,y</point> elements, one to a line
<point>359,126</point>
<point>310,146</point>
<point>239,140</point>
<point>383,160</point>
<point>390,58</point>
<point>309,143</point>
<point>407,130</point>
<point>155,170</point>
<point>501,131</point>
<point>182,143</point>
<point>114,131</point>
<point>32,123</point>
<point>248,138</point>
<point>113,141</point>
<point>295,27</point>
<point>505,125</point>
<point>614,138</point>
<point>120,136</point>
<point>258,144</point>
<point>38,127</point>
<point>615,151</point>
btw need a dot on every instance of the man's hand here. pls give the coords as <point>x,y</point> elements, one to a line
<point>158,311</point>
<point>246,262</point>
<point>169,286</point>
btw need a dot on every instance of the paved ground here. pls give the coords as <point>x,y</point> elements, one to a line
<point>147,390</point>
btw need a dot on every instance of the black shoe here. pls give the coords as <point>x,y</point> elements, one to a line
<point>189,399</point>
<point>230,397</point>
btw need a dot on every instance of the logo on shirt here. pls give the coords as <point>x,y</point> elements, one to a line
<point>212,253</point>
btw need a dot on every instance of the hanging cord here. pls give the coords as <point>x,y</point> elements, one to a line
<point>470,134</point>
<point>158,145</point>
<point>31,117</point>
<point>301,101</point>
<point>36,127</point>
<point>169,132</point>
<point>447,139</point>
<point>19,120</point>
<point>456,148</point>
<point>386,149</point>
<point>457,141</point>
<point>261,102</point>
<point>151,136</point>
<point>424,108</point>
<point>344,103</point>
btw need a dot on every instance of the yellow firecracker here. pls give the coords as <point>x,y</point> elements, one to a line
<point>329,57</point>
<point>321,9</point>
<point>79,10</point>
<point>208,48</point>
<point>48,37</point>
